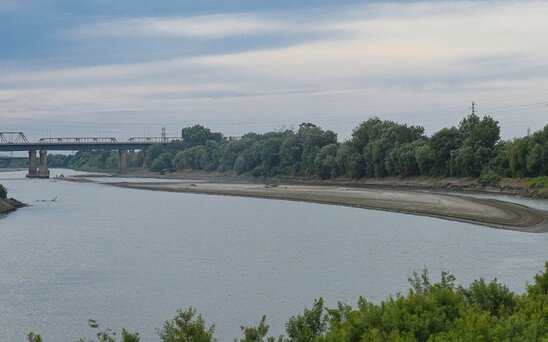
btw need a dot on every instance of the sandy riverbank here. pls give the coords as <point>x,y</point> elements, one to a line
<point>507,186</point>
<point>487,212</point>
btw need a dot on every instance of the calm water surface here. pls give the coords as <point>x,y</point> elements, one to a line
<point>131,258</point>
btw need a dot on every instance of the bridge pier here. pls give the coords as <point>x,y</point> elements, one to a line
<point>32,165</point>
<point>40,171</point>
<point>122,161</point>
<point>43,170</point>
<point>145,161</point>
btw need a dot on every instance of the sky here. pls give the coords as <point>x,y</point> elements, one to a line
<point>128,68</point>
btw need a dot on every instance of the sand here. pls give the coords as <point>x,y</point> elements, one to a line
<point>486,212</point>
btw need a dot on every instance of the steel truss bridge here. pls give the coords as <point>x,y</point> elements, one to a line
<point>16,141</point>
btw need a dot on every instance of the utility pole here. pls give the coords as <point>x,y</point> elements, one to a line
<point>473,108</point>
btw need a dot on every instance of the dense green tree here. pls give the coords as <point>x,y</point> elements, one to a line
<point>258,333</point>
<point>198,135</point>
<point>442,143</point>
<point>325,164</point>
<point>186,326</point>
<point>429,311</point>
<point>377,148</point>
<point>290,154</point>
<point>478,137</point>
<point>312,139</point>
<point>308,326</point>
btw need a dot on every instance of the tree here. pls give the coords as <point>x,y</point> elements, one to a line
<point>308,326</point>
<point>478,140</point>
<point>312,139</point>
<point>258,333</point>
<point>325,163</point>
<point>442,143</point>
<point>186,326</point>
<point>198,135</point>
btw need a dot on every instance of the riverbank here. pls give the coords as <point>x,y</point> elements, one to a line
<point>416,201</point>
<point>507,186</point>
<point>487,212</point>
<point>10,204</point>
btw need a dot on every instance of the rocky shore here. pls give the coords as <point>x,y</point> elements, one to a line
<point>10,204</point>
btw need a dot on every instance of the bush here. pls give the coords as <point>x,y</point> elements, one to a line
<point>3,192</point>
<point>158,165</point>
<point>539,182</point>
<point>488,177</point>
<point>430,311</point>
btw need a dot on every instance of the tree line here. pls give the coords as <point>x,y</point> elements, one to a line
<point>377,148</point>
<point>429,311</point>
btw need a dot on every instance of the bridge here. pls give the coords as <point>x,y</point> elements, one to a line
<point>16,141</point>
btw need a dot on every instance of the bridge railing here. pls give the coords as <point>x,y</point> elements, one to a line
<point>13,138</point>
<point>153,139</point>
<point>85,140</point>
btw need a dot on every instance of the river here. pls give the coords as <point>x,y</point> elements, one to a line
<point>131,258</point>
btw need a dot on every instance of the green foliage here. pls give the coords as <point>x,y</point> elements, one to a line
<point>107,335</point>
<point>528,156</point>
<point>377,148</point>
<point>493,297</point>
<point>429,311</point>
<point>186,326</point>
<point>258,333</point>
<point>3,192</point>
<point>198,136</point>
<point>539,182</point>
<point>478,137</point>
<point>32,337</point>
<point>488,177</point>
<point>308,326</point>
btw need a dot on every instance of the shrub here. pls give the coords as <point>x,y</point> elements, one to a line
<point>3,192</point>
<point>488,177</point>
<point>539,182</point>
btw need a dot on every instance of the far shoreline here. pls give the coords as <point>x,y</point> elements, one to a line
<point>507,186</point>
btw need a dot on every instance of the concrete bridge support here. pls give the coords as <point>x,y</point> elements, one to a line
<point>40,171</point>
<point>32,165</point>
<point>43,170</point>
<point>122,161</point>
<point>145,159</point>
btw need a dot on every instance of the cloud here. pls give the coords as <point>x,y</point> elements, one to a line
<point>402,43</point>
<point>406,62</point>
<point>206,26</point>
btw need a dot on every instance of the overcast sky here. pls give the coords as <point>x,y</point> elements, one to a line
<point>128,67</point>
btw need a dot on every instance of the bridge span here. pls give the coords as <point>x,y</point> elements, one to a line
<point>16,141</point>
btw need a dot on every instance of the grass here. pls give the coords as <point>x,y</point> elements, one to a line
<point>538,182</point>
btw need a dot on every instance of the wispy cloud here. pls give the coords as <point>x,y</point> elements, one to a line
<point>375,59</point>
<point>205,26</point>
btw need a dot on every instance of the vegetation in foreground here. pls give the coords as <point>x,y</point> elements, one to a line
<point>377,148</point>
<point>439,311</point>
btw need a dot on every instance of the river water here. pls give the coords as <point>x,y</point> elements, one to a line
<point>131,258</point>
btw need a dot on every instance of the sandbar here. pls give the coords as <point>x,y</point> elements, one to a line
<point>486,212</point>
